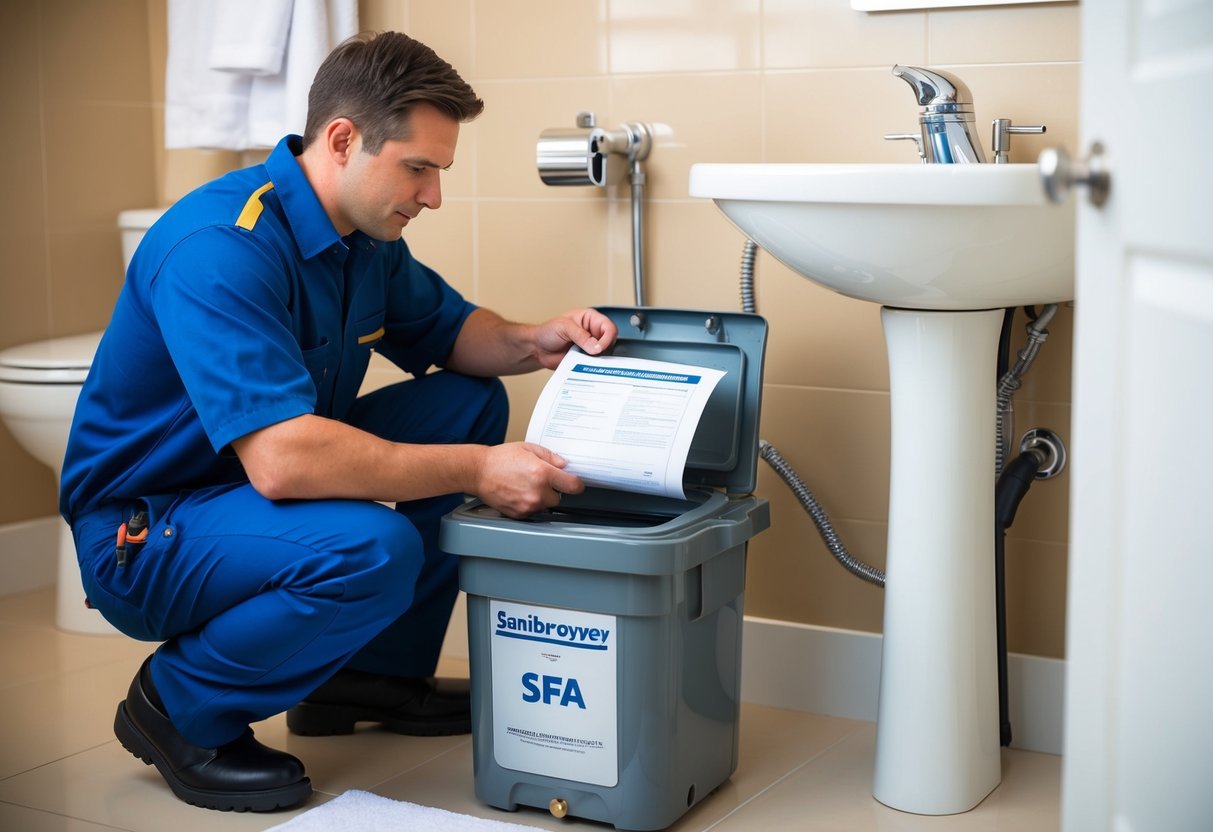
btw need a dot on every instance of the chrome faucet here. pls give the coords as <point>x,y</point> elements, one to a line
<point>946,120</point>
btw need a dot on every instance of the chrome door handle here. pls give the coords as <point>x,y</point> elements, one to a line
<point>1059,174</point>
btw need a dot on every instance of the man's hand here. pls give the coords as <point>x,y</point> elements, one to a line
<point>489,345</point>
<point>589,329</point>
<point>520,478</point>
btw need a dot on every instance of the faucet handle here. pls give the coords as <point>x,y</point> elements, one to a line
<point>914,137</point>
<point>1002,137</point>
<point>936,90</point>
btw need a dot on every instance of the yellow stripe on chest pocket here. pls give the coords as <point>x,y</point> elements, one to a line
<point>371,337</point>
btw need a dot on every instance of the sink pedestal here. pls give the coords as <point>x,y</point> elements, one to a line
<point>937,742</point>
<point>950,239</point>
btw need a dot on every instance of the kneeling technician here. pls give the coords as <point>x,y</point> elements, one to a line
<point>224,481</point>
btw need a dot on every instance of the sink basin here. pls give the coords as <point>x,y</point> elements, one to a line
<point>945,237</point>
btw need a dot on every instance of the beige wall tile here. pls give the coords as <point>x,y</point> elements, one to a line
<point>1036,598</point>
<point>157,36</point>
<point>1027,94</point>
<point>828,33</point>
<point>1044,513</point>
<point>842,115</point>
<point>539,38</point>
<point>85,278</point>
<point>23,208</point>
<point>160,156</point>
<point>515,113</point>
<point>1015,34</point>
<point>692,256</point>
<point>792,576</point>
<point>686,129</point>
<point>460,180</point>
<point>96,51</point>
<point>819,338</point>
<point>445,241</point>
<point>523,392</point>
<point>188,168</point>
<point>446,27</point>
<point>384,15</point>
<point>537,260</point>
<point>689,36</point>
<point>24,300</point>
<point>1049,379</point>
<point>20,68</point>
<point>27,487</point>
<point>93,173</point>
<point>838,441</point>
<point>839,115</point>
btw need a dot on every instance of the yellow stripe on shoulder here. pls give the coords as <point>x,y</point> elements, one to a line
<point>253,208</point>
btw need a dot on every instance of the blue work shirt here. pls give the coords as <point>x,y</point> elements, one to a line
<point>243,307</point>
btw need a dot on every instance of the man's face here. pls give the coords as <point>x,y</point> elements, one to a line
<point>379,194</point>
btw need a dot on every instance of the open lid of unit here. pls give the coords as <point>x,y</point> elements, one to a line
<point>724,451</point>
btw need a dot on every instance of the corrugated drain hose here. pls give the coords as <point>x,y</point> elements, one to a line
<point>1004,425</point>
<point>824,527</point>
<point>785,471</point>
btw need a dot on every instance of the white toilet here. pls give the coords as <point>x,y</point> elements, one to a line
<point>39,385</point>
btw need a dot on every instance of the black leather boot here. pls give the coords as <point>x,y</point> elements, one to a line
<point>242,775</point>
<point>425,707</point>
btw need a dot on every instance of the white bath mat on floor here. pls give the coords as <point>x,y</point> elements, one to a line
<point>358,811</point>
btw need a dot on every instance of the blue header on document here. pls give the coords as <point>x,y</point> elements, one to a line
<point>643,375</point>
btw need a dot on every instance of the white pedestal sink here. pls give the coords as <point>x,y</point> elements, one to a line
<point>943,249</point>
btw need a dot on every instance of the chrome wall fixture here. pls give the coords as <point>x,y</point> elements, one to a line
<point>589,155</point>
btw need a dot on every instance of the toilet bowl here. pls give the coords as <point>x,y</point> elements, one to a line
<point>39,385</point>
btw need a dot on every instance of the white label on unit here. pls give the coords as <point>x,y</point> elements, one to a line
<point>554,692</point>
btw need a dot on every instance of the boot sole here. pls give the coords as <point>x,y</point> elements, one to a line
<point>309,719</point>
<point>134,741</point>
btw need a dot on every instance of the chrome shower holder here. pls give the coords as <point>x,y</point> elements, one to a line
<point>589,155</point>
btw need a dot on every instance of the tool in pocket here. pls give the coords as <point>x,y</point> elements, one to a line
<point>131,533</point>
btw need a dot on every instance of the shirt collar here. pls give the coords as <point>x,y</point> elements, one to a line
<point>305,216</point>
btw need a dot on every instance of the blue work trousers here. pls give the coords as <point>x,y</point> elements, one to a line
<point>259,602</point>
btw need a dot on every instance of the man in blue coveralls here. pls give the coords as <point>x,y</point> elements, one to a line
<point>222,475</point>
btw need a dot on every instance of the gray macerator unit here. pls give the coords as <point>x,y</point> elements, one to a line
<point>605,634</point>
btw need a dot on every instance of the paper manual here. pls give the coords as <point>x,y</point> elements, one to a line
<point>623,423</point>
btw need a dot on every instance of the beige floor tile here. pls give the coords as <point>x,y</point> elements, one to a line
<point>107,785</point>
<point>833,792</point>
<point>61,770</point>
<point>363,760</point>
<point>32,820</point>
<point>60,715</point>
<point>773,742</point>
<point>33,653</point>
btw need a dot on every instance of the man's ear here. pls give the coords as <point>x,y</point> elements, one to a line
<point>340,139</point>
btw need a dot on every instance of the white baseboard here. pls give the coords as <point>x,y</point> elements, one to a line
<point>835,672</point>
<point>28,554</point>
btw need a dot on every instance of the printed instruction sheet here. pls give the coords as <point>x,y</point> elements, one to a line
<point>623,423</point>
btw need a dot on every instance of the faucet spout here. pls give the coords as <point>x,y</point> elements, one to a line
<point>935,90</point>
<point>946,118</point>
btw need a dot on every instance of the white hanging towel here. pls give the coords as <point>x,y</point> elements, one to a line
<point>239,71</point>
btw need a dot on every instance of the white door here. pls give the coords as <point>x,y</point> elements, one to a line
<point>1139,698</point>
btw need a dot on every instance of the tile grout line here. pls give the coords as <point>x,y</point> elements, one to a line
<point>63,815</point>
<point>67,756</point>
<point>421,764</point>
<point>779,780</point>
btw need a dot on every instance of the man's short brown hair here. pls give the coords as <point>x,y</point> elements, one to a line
<point>375,80</point>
